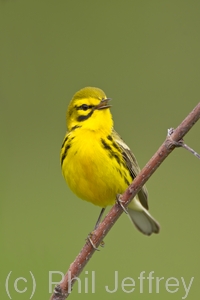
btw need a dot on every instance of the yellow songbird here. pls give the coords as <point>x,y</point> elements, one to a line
<point>96,163</point>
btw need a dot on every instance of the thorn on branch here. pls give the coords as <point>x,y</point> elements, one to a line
<point>190,150</point>
<point>179,143</point>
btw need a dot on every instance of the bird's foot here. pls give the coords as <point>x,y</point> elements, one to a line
<point>89,238</point>
<point>119,201</point>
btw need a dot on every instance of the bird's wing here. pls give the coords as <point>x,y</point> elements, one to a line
<point>132,165</point>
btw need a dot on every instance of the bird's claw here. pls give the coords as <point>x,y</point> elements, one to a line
<point>91,242</point>
<point>119,201</point>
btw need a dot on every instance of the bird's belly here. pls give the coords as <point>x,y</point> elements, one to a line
<point>93,175</point>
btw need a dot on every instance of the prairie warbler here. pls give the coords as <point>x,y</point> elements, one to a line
<point>96,163</point>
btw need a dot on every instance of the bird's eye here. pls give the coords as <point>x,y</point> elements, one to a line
<point>84,107</point>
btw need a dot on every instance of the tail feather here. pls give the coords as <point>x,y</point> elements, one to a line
<point>141,218</point>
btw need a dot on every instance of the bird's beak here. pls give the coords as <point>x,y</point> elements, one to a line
<point>103,104</point>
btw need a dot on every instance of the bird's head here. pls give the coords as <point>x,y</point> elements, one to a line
<point>89,108</point>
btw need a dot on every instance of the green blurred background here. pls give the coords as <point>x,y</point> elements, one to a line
<point>146,56</point>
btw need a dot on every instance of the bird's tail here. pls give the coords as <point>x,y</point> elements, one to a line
<point>141,218</point>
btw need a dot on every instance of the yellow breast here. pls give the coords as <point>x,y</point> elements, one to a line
<point>93,168</point>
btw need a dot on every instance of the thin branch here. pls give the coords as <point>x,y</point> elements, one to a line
<point>63,290</point>
<point>182,144</point>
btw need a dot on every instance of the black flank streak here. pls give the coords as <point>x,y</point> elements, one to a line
<point>118,170</point>
<point>75,127</point>
<point>126,181</point>
<point>116,157</point>
<point>105,145</point>
<point>112,153</point>
<point>64,141</point>
<point>116,147</point>
<point>109,137</point>
<point>125,166</point>
<point>65,153</point>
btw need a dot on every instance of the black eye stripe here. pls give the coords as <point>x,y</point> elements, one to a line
<point>84,107</point>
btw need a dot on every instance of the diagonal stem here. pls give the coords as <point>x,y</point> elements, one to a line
<point>63,290</point>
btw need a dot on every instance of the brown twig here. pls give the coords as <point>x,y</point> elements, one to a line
<point>182,144</point>
<point>63,290</point>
